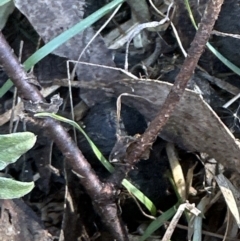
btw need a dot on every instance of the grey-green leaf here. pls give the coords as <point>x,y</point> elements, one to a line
<point>10,188</point>
<point>12,146</point>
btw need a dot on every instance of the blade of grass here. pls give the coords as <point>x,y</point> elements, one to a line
<point>190,13</point>
<point>157,223</point>
<point>62,38</point>
<point>140,196</point>
<point>131,188</point>
<point>224,60</point>
<point>96,151</point>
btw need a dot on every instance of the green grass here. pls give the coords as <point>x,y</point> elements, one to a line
<point>224,60</point>
<point>158,222</point>
<point>62,38</point>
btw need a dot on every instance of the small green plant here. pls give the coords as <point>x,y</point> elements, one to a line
<point>12,146</point>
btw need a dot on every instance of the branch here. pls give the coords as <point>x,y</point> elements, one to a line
<point>100,193</point>
<point>137,149</point>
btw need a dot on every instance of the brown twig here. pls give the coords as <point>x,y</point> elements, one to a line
<point>100,193</point>
<point>136,150</point>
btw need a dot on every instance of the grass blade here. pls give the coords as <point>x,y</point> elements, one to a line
<point>131,188</point>
<point>62,38</point>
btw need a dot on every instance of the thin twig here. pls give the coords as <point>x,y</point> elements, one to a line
<point>136,149</point>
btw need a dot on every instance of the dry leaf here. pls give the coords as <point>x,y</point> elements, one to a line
<point>231,196</point>
<point>194,126</point>
<point>177,172</point>
<point>63,15</point>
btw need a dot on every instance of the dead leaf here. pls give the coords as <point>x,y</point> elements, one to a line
<point>194,126</point>
<point>231,196</point>
<point>63,15</point>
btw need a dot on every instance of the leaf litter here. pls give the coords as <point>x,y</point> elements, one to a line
<point>194,126</point>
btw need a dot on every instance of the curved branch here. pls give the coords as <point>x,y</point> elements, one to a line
<point>137,149</point>
<point>100,193</point>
